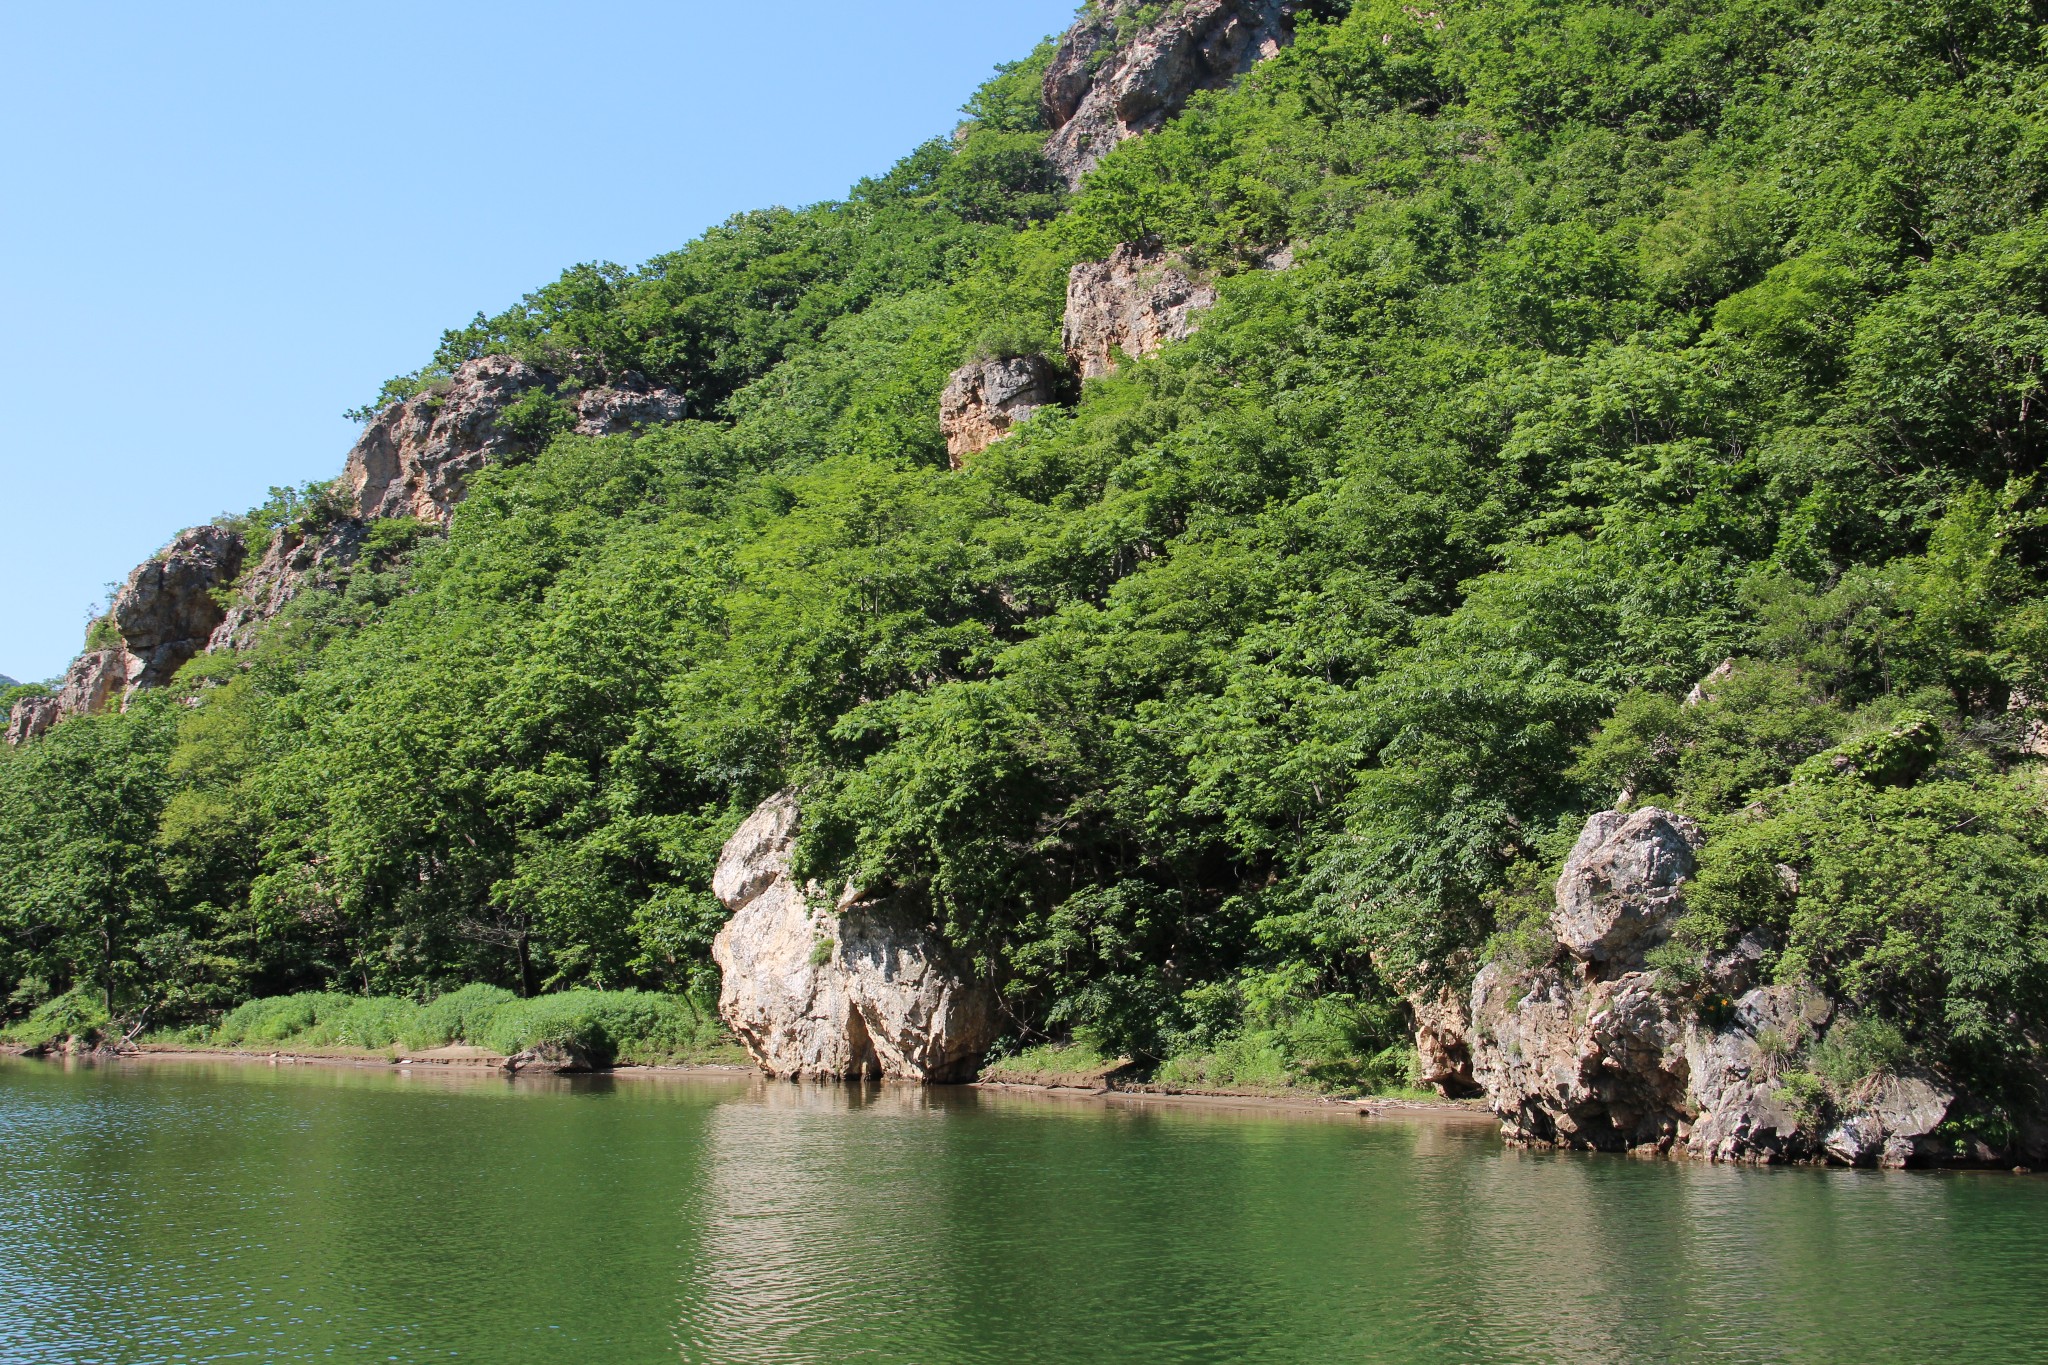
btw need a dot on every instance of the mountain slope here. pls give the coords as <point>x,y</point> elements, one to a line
<point>1560,354</point>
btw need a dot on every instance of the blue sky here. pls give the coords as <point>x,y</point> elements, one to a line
<point>224,224</point>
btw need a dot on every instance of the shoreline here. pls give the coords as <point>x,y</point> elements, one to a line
<point>475,1062</point>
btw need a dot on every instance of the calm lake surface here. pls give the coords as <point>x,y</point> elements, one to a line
<point>199,1212</point>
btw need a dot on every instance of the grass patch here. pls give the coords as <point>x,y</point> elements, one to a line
<point>634,1028</point>
<point>1075,1064</point>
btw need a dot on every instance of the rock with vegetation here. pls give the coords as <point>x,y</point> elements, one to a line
<point>1127,66</point>
<point>984,400</point>
<point>31,718</point>
<point>1129,305</point>
<point>1573,1052</point>
<point>170,606</point>
<point>823,990</point>
<point>298,558</point>
<point>96,680</point>
<point>416,457</point>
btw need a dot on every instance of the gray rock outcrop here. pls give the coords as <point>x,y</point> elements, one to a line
<point>1131,304</point>
<point>1112,80</point>
<point>820,990</point>
<point>1619,892</point>
<point>1589,1050</point>
<point>294,562</point>
<point>415,458</point>
<point>986,399</point>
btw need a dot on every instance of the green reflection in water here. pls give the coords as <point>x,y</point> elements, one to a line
<point>187,1212</point>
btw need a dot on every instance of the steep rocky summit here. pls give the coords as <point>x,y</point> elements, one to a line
<point>1131,304</point>
<point>1115,78</point>
<point>986,399</point>
<point>1587,1047</point>
<point>819,990</point>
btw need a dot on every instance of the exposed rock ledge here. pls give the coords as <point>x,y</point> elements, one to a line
<point>817,990</point>
<point>987,398</point>
<point>415,459</point>
<point>164,615</point>
<point>1593,1050</point>
<point>1131,304</point>
<point>1100,91</point>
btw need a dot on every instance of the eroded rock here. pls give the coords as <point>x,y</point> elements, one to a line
<point>96,680</point>
<point>1619,892</point>
<point>294,562</point>
<point>817,989</point>
<point>986,399</point>
<point>168,608</point>
<point>416,458</point>
<point>1443,1049</point>
<point>1131,304</point>
<point>1113,79</point>
<point>1893,1122</point>
<point>31,718</point>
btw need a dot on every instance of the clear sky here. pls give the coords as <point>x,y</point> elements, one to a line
<point>223,224</point>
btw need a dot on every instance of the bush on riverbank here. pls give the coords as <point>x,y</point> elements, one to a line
<point>632,1027</point>
<point>76,1014</point>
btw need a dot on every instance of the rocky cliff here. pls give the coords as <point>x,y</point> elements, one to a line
<point>1131,304</point>
<point>817,989</point>
<point>1588,1047</point>
<point>415,458</point>
<point>985,399</point>
<point>1115,77</point>
<point>163,615</point>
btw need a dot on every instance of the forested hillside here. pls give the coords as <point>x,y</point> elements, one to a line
<point>1563,352</point>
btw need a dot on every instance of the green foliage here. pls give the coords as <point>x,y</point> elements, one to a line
<point>75,1015</point>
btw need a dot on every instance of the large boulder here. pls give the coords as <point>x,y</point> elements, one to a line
<point>1115,77</point>
<point>416,458</point>
<point>1620,888</point>
<point>1131,304</point>
<point>984,400</point>
<point>1893,1122</point>
<point>822,989</point>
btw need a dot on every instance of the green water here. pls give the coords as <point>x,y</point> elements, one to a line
<point>183,1212</point>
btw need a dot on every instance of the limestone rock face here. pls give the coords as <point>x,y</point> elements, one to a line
<point>415,458</point>
<point>31,718</point>
<point>1619,892</point>
<point>1588,1051</point>
<point>1104,86</point>
<point>984,400</point>
<point>1443,1028</point>
<point>167,611</point>
<point>1134,303</point>
<point>817,990</point>
<point>1896,1124</point>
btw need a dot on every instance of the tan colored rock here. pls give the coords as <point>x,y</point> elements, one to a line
<point>31,718</point>
<point>985,400</point>
<point>97,680</point>
<point>1112,80</point>
<point>819,990</point>
<point>1443,1046</point>
<point>415,458</point>
<point>1619,891</point>
<point>1131,305</point>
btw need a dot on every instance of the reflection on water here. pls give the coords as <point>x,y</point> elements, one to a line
<point>181,1212</point>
